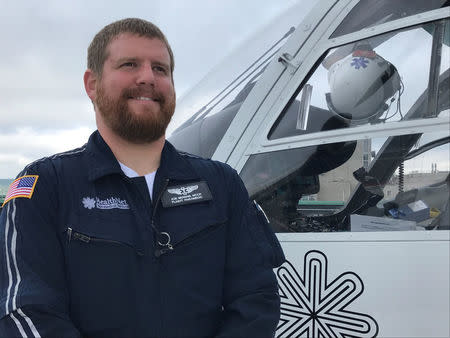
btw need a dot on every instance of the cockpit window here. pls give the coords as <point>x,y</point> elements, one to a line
<point>380,184</point>
<point>373,81</point>
<point>368,13</point>
<point>396,182</point>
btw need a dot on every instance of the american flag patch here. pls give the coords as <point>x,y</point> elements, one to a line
<point>21,187</point>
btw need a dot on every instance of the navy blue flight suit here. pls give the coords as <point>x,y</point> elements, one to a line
<point>90,254</point>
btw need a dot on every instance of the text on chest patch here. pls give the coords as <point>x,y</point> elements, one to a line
<point>186,194</point>
<point>105,204</point>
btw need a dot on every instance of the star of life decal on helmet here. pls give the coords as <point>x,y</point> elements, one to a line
<point>105,204</point>
<point>360,62</point>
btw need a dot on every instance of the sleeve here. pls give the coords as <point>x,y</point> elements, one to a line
<point>251,299</point>
<point>33,293</point>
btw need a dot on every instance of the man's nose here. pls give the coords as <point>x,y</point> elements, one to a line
<point>146,75</point>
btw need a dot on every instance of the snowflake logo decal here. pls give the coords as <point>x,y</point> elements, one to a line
<point>359,62</point>
<point>313,307</point>
<point>88,203</point>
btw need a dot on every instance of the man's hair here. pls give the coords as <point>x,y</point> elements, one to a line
<point>97,51</point>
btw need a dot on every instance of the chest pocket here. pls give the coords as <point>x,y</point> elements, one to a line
<point>103,253</point>
<point>187,223</point>
<point>103,242</point>
<point>103,228</point>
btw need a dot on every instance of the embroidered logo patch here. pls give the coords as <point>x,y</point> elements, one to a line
<point>109,203</point>
<point>21,187</point>
<point>186,194</point>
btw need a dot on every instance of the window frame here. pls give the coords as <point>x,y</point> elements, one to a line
<point>291,82</point>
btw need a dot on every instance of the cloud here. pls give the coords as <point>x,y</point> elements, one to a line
<point>210,31</point>
<point>42,98</point>
<point>27,145</point>
<point>45,113</point>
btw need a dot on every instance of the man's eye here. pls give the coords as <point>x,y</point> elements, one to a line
<point>129,64</point>
<point>160,69</point>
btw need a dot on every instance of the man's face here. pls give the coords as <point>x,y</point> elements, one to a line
<point>135,96</point>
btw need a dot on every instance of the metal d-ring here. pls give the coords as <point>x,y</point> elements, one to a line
<point>167,244</point>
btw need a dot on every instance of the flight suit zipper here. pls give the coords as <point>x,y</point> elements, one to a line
<point>163,239</point>
<point>163,245</point>
<point>75,235</point>
<point>189,239</point>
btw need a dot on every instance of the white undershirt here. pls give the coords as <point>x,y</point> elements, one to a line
<point>149,178</point>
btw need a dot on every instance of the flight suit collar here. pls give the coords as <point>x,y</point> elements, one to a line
<point>174,166</point>
<point>102,161</point>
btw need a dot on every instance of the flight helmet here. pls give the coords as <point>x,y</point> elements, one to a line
<point>360,84</point>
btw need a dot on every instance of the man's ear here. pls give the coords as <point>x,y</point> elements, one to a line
<point>90,84</point>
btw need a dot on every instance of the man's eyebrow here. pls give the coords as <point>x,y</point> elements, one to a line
<point>125,59</point>
<point>134,59</point>
<point>162,63</point>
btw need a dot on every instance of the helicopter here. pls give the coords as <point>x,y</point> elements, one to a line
<point>338,122</point>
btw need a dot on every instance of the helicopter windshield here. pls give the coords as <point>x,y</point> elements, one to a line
<point>196,126</point>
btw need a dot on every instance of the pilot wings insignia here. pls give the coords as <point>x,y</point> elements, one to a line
<point>183,191</point>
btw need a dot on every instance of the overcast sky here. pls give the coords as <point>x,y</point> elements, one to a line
<point>43,106</point>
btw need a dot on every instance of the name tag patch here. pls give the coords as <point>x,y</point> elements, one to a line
<point>186,194</point>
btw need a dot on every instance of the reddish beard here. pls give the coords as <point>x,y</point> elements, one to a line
<point>136,128</point>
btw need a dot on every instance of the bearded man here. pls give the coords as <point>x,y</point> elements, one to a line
<point>127,237</point>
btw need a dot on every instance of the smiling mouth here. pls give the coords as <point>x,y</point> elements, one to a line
<point>143,98</point>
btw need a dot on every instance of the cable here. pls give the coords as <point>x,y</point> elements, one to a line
<point>401,177</point>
